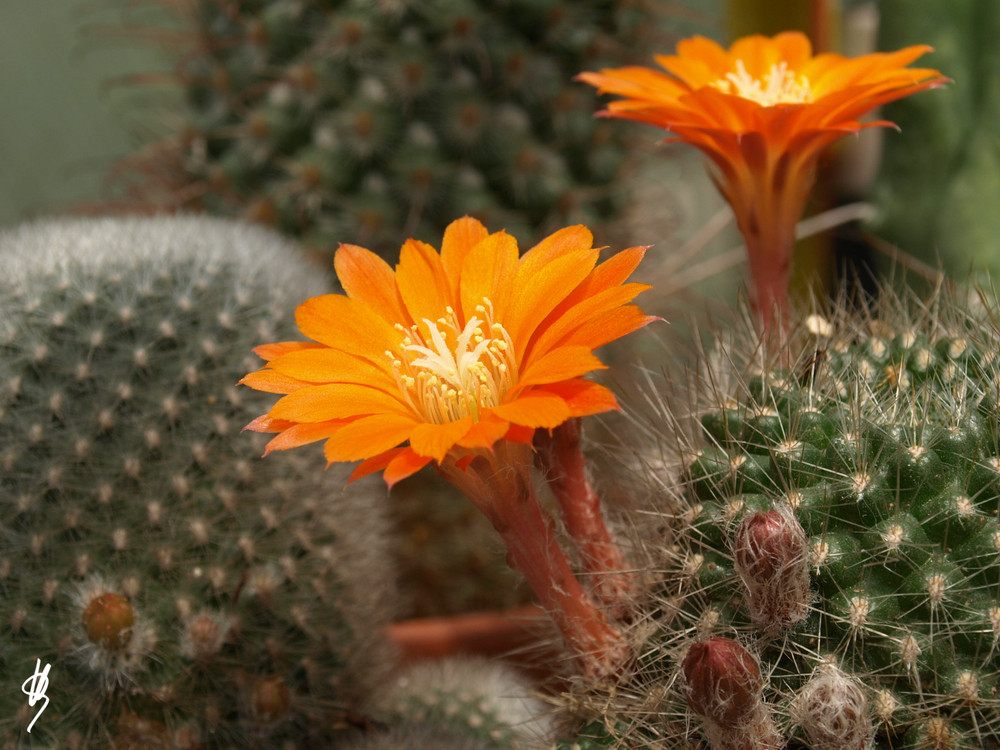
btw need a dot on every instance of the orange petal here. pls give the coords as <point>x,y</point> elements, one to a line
<point>266,423</point>
<point>325,365</point>
<point>488,271</point>
<point>608,326</point>
<point>708,52</point>
<point>534,409</point>
<point>435,440</point>
<point>373,464</point>
<point>584,397</point>
<point>368,278</point>
<point>406,463</point>
<point>563,363</point>
<point>459,238</point>
<point>302,434</point>
<point>557,329</point>
<point>485,432</point>
<point>540,292</point>
<point>368,436</point>
<point>557,244</point>
<point>421,280</point>
<point>270,381</point>
<point>519,433</point>
<point>321,403</point>
<point>273,351</point>
<point>349,325</point>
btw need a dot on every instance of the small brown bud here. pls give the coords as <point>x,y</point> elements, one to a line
<point>723,681</point>
<point>108,620</point>
<point>270,698</point>
<point>770,554</point>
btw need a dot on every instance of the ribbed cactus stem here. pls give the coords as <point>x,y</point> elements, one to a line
<point>500,485</point>
<point>560,456</point>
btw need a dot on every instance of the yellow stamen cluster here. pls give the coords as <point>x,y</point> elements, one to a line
<point>779,86</point>
<point>447,371</point>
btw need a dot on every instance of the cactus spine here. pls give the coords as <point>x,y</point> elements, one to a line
<point>185,593</point>
<point>838,499</point>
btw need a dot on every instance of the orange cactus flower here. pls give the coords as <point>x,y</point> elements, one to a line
<point>457,358</point>
<point>451,352</point>
<point>762,111</point>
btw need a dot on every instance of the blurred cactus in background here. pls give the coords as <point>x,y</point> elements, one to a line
<point>940,176</point>
<point>361,121</point>
<point>185,593</point>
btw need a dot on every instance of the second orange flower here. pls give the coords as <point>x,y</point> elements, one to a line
<point>762,111</point>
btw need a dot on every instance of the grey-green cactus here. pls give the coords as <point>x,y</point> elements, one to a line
<point>836,581</point>
<point>184,593</point>
<point>367,122</point>
<point>487,700</point>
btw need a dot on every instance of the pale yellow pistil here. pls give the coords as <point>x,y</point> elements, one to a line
<point>447,372</point>
<point>779,86</point>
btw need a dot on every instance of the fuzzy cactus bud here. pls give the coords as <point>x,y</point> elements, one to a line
<point>108,620</point>
<point>270,698</point>
<point>832,710</point>
<point>723,681</point>
<point>770,554</point>
<point>724,685</point>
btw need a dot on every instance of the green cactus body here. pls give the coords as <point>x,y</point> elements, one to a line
<point>835,569</point>
<point>364,122</point>
<point>845,530</point>
<point>185,593</point>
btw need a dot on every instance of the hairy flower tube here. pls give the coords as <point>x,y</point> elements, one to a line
<point>456,358</point>
<point>763,111</point>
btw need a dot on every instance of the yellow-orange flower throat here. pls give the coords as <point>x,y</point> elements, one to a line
<point>448,371</point>
<point>778,86</point>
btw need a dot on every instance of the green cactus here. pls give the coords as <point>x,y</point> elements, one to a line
<point>363,122</point>
<point>835,583</point>
<point>185,593</point>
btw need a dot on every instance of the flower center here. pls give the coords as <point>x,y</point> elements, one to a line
<point>779,86</point>
<point>447,372</point>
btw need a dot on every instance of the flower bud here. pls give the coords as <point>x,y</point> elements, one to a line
<point>833,712</point>
<point>270,698</point>
<point>108,620</point>
<point>770,555</point>
<point>723,681</point>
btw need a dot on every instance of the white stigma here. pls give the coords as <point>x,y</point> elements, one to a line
<point>447,372</point>
<point>778,86</point>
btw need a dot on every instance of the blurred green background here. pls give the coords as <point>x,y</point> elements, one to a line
<point>66,120</point>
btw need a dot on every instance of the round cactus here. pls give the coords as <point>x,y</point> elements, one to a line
<point>487,700</point>
<point>837,497</point>
<point>183,592</point>
<point>358,121</point>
